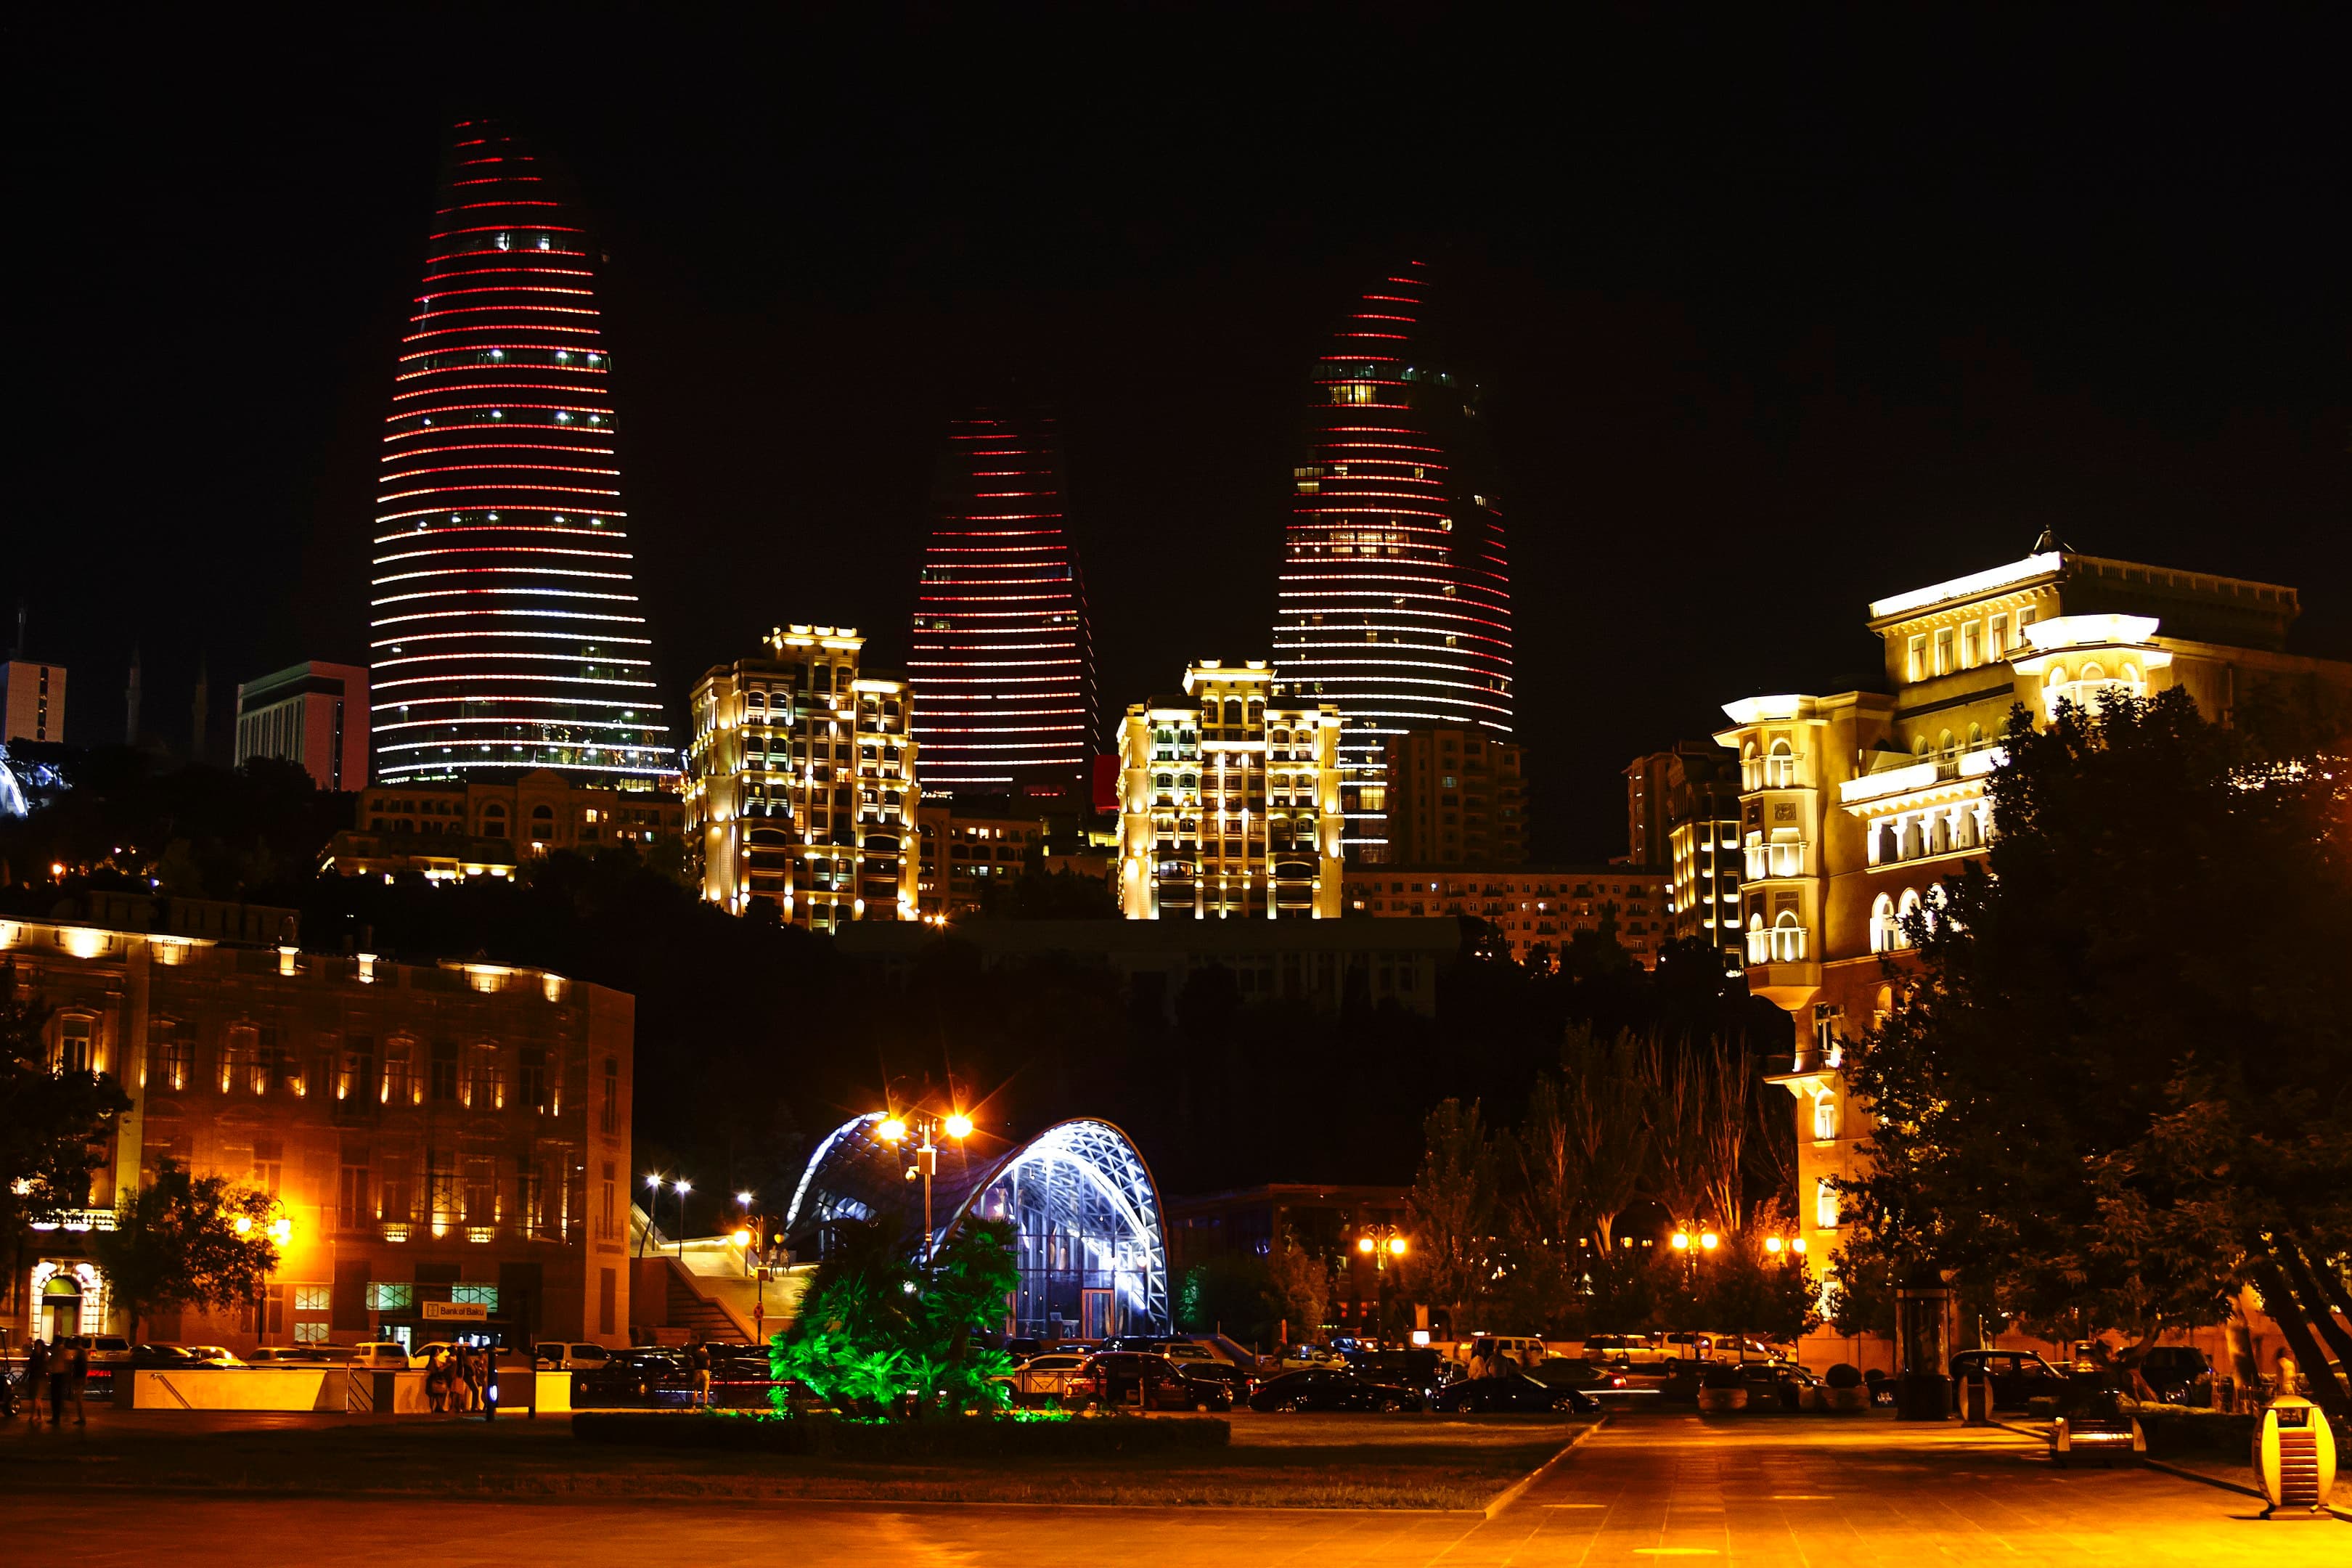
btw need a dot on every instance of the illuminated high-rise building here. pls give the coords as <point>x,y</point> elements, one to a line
<point>507,630</point>
<point>1395,599</point>
<point>1003,664</point>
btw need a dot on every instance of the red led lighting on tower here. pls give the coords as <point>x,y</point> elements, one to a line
<point>1003,666</point>
<point>506,627</point>
<point>1395,597</point>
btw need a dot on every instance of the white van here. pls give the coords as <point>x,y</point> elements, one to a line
<point>379,1355</point>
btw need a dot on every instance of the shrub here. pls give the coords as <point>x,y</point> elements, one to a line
<point>1843,1375</point>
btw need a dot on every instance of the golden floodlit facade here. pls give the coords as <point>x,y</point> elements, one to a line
<point>1852,805</point>
<point>801,790</point>
<point>1229,803</point>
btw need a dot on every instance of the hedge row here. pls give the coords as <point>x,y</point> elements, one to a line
<point>946,1438</point>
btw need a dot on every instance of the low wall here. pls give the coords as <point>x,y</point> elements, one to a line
<point>335,1388</point>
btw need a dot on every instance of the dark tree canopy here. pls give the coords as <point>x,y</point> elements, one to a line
<point>2119,1085</point>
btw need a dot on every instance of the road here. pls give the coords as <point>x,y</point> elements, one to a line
<point>1646,1490</point>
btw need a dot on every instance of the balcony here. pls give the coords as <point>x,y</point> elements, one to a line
<point>1777,944</point>
<point>1783,860</point>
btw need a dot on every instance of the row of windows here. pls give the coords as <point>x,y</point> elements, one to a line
<point>1964,646</point>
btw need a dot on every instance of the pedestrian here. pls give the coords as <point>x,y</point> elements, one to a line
<point>60,1379</point>
<point>461,1381</point>
<point>37,1374</point>
<point>436,1380</point>
<point>490,1382</point>
<point>700,1360</point>
<point>78,1374</point>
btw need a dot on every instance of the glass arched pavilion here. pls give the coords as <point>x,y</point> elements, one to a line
<point>1091,1244</point>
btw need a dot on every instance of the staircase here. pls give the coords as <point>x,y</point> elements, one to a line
<point>703,1288</point>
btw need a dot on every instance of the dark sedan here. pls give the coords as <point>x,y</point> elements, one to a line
<point>1322,1388</point>
<point>1122,1377</point>
<point>630,1377</point>
<point>1495,1395</point>
<point>2180,1373</point>
<point>2016,1375</point>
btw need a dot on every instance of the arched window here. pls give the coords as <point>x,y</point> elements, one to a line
<point>2129,674</point>
<point>2094,671</point>
<point>1234,712</point>
<point>1976,736</point>
<point>1886,842</point>
<point>1920,746</point>
<point>1882,931</point>
<point>77,1043</point>
<point>1825,1117</point>
<point>1905,908</point>
<point>1781,769</point>
<point>1946,745</point>
<point>2056,677</point>
<point>1939,839</point>
<point>1826,1212</point>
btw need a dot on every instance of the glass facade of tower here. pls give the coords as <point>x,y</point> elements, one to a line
<point>507,633</point>
<point>1002,665</point>
<point>1394,600</point>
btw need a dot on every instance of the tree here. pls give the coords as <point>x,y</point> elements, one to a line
<point>54,1124</point>
<point>965,1288</point>
<point>1451,1208</point>
<point>1601,1091</point>
<point>1546,1207</point>
<point>1743,1288</point>
<point>2112,1094</point>
<point>1232,1296</point>
<point>1300,1284</point>
<point>184,1240</point>
<point>1675,1109</point>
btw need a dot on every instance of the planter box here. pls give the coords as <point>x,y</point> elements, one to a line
<point>1718,1401</point>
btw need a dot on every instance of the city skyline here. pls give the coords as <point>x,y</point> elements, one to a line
<point>1732,340</point>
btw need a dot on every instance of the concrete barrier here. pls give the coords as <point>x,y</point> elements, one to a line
<point>239,1388</point>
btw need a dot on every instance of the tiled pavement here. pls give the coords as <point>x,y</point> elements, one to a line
<point>1653,1490</point>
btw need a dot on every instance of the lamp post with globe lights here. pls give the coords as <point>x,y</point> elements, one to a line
<point>898,1127</point>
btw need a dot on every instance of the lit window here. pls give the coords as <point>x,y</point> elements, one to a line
<point>1827,1215</point>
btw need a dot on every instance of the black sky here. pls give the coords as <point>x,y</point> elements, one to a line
<point>1773,322</point>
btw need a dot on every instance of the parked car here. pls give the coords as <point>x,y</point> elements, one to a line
<point>211,1355</point>
<point>1422,1368</point>
<point>1618,1350</point>
<point>2180,1373</point>
<point>108,1355</point>
<point>1322,1388</point>
<point>1291,1357</point>
<point>2017,1375</point>
<point>1568,1372</point>
<point>379,1355</point>
<point>627,1377</point>
<point>740,1379</point>
<point>566,1356</point>
<point>1511,1392</point>
<point>161,1355</point>
<point>1043,1378</point>
<point>1115,1377</point>
<point>296,1355</point>
<point>1690,1351</point>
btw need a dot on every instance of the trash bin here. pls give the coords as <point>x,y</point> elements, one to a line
<point>1976,1398</point>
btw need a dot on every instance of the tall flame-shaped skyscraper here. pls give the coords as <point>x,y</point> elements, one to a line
<point>1003,664</point>
<point>507,630</point>
<point>1395,595</point>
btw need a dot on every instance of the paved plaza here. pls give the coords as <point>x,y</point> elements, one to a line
<point>1646,1490</point>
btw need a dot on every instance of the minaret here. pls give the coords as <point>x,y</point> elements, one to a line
<point>130,701</point>
<point>1395,597</point>
<point>507,632</point>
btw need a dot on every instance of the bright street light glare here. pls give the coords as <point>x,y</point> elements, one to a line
<point>683,1186</point>
<point>1797,1245</point>
<point>1396,1246</point>
<point>1710,1241</point>
<point>1682,1241</point>
<point>1364,1244</point>
<point>1771,1244</point>
<point>959,1125</point>
<point>891,1132</point>
<point>742,1238</point>
<point>242,1223</point>
<point>743,1198</point>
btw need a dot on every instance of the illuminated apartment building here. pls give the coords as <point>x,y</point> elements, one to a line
<point>1456,797</point>
<point>1852,805</point>
<point>1229,805</point>
<point>1003,664</point>
<point>508,634</point>
<point>1538,911</point>
<point>962,851</point>
<point>800,788</point>
<point>488,827</point>
<point>1395,596</point>
<point>32,701</point>
<point>1683,813</point>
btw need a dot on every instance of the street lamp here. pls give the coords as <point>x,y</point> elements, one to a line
<point>923,1125</point>
<point>684,1187</point>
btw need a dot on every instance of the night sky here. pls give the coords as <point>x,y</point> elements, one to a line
<point>1771,323</point>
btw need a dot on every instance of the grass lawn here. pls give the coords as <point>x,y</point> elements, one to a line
<point>1280,1461</point>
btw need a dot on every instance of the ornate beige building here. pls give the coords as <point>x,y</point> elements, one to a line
<point>800,789</point>
<point>1854,805</point>
<point>1229,805</point>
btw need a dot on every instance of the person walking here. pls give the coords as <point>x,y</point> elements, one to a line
<point>701,1362</point>
<point>436,1380</point>
<point>60,1379</point>
<point>36,1376</point>
<point>77,1376</point>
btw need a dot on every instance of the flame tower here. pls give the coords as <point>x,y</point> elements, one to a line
<point>507,631</point>
<point>1002,666</point>
<point>1395,596</point>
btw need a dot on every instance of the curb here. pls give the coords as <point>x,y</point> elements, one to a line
<point>2253,1492</point>
<point>1519,1488</point>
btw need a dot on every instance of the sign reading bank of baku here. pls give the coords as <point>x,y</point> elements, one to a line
<point>456,1311</point>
